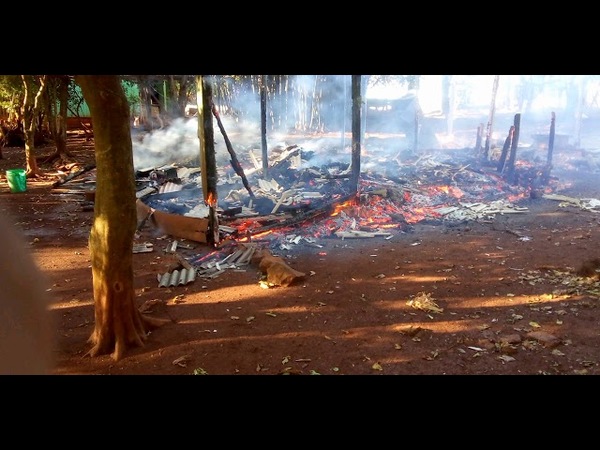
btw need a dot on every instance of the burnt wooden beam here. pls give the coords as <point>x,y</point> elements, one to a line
<point>74,175</point>
<point>235,163</point>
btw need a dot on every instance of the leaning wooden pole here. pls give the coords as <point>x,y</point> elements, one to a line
<point>356,122</point>
<point>235,163</point>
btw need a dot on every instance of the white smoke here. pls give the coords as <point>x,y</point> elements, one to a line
<point>179,142</point>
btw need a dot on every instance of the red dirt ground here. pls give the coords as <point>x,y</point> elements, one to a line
<point>497,296</point>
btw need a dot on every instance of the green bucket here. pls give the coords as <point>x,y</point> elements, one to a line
<point>17,181</point>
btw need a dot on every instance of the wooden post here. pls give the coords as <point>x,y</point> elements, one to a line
<point>513,150</point>
<point>551,138</point>
<point>416,134</point>
<point>579,111</point>
<point>486,152</point>
<point>478,139</point>
<point>356,131</point>
<point>208,163</point>
<point>263,126</point>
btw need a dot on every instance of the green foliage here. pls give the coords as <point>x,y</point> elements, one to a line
<point>11,93</point>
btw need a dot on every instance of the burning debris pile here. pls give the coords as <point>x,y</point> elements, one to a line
<point>303,201</point>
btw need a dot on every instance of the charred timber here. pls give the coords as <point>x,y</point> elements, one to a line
<point>325,210</point>
<point>507,143</point>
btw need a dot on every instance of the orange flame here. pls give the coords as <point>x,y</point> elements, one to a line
<point>211,199</point>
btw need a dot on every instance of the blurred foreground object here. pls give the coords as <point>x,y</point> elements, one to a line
<point>25,332</point>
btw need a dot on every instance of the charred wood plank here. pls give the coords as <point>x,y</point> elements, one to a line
<point>74,175</point>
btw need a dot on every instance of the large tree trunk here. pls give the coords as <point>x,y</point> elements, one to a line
<point>118,323</point>
<point>31,107</point>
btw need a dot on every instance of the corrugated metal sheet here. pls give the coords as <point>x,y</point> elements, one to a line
<point>176,278</point>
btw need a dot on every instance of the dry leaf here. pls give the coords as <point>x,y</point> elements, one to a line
<point>377,366</point>
<point>182,361</point>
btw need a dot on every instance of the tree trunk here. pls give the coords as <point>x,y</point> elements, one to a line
<point>57,97</point>
<point>118,323</point>
<point>31,106</point>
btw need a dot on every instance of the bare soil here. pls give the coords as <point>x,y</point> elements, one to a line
<point>501,295</point>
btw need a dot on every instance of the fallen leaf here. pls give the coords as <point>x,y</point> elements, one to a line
<point>285,360</point>
<point>199,371</point>
<point>477,349</point>
<point>377,366</point>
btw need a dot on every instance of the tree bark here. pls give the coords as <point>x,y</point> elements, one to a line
<point>119,325</point>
